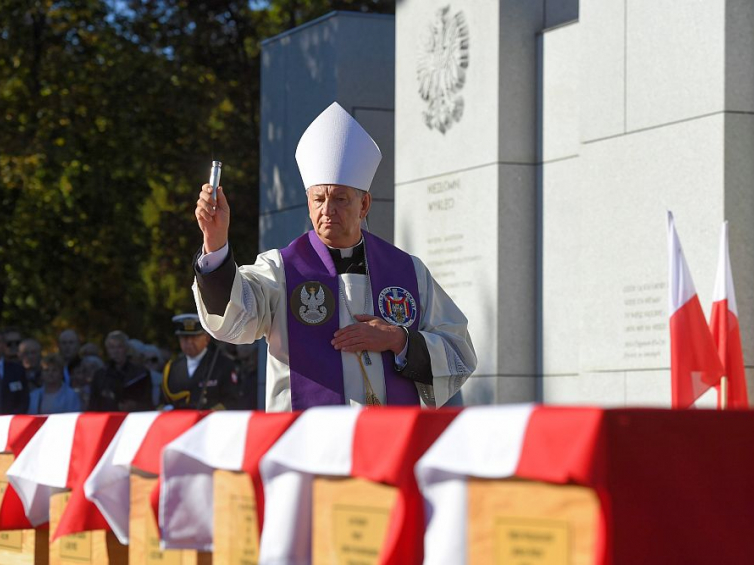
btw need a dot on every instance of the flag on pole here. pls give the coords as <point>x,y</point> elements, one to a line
<point>694,363</point>
<point>724,327</point>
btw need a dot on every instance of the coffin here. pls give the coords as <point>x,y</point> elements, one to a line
<point>350,518</point>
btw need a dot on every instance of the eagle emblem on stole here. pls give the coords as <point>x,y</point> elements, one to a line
<point>313,309</point>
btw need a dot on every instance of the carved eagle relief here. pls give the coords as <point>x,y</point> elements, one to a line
<point>441,68</point>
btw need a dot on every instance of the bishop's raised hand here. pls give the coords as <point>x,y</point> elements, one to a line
<point>213,218</point>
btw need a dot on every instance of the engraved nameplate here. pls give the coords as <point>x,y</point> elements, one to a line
<point>359,533</point>
<point>525,541</point>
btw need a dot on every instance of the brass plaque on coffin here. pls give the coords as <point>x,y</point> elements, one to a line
<point>77,547</point>
<point>521,541</point>
<point>359,533</point>
<point>236,532</point>
<point>351,517</point>
<point>12,540</point>
<point>517,522</point>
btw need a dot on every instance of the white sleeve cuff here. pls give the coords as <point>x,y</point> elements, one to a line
<point>400,359</point>
<point>212,260</point>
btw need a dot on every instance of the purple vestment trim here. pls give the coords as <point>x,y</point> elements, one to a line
<point>316,366</point>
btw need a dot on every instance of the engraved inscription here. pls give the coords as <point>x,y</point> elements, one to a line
<point>245,533</point>
<point>525,541</point>
<point>77,547</point>
<point>645,324</point>
<point>448,257</point>
<point>359,533</point>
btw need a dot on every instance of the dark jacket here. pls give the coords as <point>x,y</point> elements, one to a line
<point>219,388</point>
<point>14,391</point>
<point>126,390</point>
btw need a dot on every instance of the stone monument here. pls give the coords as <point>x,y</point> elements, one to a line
<point>538,146</point>
<point>466,172</point>
<point>646,106</point>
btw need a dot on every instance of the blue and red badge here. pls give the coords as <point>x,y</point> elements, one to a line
<point>397,306</point>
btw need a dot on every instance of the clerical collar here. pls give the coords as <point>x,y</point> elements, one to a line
<point>345,252</point>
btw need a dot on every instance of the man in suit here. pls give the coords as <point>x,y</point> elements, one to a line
<point>121,385</point>
<point>14,390</point>
<point>201,377</point>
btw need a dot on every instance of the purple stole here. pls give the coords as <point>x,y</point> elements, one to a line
<point>316,366</point>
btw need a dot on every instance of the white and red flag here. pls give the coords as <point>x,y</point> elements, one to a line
<point>378,444</point>
<point>551,444</point>
<point>137,444</point>
<point>60,456</point>
<point>15,433</point>
<point>227,440</point>
<point>725,329</point>
<point>694,362</point>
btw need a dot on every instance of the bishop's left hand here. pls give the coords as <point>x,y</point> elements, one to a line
<point>370,333</point>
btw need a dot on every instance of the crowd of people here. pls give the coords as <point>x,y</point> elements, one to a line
<point>126,375</point>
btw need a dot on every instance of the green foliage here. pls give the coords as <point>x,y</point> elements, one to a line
<point>110,114</point>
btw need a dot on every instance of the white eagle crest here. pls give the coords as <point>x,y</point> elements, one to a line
<point>441,68</point>
<point>313,310</point>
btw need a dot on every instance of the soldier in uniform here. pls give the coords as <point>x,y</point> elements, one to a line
<point>201,377</point>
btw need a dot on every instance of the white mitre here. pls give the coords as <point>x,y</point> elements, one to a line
<point>335,149</point>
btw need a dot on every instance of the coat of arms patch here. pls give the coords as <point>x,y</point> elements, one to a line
<point>397,306</point>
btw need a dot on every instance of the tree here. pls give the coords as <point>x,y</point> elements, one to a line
<point>113,111</point>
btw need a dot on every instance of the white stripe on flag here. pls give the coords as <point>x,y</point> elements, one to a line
<point>483,442</point>
<point>186,497</point>
<point>42,468</point>
<point>320,442</point>
<point>681,288</point>
<point>4,432</point>
<point>109,484</point>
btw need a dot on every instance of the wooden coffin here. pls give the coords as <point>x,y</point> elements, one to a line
<point>350,518</point>
<point>235,527</point>
<point>20,547</point>
<point>531,523</point>
<point>97,547</point>
<point>144,539</point>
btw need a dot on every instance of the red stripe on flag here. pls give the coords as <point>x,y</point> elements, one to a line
<point>22,429</point>
<point>263,431</point>
<point>165,428</point>
<point>387,444</point>
<point>727,336</point>
<point>694,362</point>
<point>567,446</point>
<point>94,432</point>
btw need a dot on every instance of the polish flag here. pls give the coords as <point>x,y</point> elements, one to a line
<point>381,445</point>
<point>15,433</point>
<point>551,444</point>
<point>137,444</point>
<point>231,441</point>
<point>725,329</point>
<point>684,473</point>
<point>694,362</point>
<point>61,455</point>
